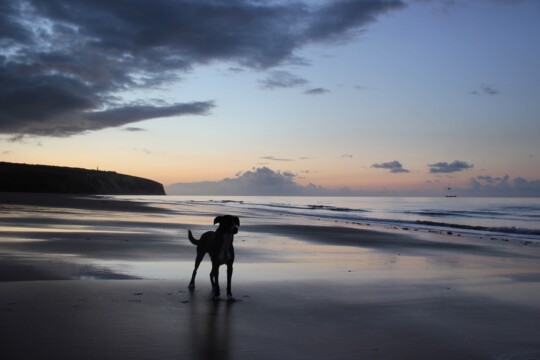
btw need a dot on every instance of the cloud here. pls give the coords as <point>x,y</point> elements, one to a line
<point>63,63</point>
<point>235,69</point>
<point>448,4</point>
<point>510,2</point>
<point>502,186</point>
<point>444,167</point>
<point>316,91</point>
<point>487,90</point>
<point>133,129</point>
<point>260,181</point>
<point>281,79</point>
<point>16,138</point>
<point>394,167</point>
<point>134,113</point>
<point>346,156</point>
<point>265,181</point>
<point>272,158</point>
<point>489,179</point>
<point>527,187</point>
<point>338,18</point>
<point>143,150</point>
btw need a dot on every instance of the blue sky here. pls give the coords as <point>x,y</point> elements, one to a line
<point>362,95</point>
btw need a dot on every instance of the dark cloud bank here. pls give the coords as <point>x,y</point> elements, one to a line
<point>63,63</point>
<point>267,182</point>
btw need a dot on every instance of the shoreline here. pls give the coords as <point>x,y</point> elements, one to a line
<point>109,280</point>
<point>355,212</point>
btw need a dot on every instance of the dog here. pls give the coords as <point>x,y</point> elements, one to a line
<point>219,245</point>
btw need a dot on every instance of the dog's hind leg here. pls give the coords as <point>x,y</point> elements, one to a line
<point>198,260</point>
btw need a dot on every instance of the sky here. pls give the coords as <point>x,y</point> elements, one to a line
<point>343,97</point>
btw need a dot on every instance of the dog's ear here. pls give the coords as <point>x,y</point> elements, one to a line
<point>237,221</point>
<point>217,220</point>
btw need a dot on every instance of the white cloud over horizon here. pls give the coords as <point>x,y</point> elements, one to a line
<point>258,181</point>
<point>264,181</point>
<point>503,186</point>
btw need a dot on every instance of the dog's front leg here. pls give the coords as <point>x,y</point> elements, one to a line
<point>229,278</point>
<point>214,279</point>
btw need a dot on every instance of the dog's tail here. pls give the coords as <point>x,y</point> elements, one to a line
<point>192,239</point>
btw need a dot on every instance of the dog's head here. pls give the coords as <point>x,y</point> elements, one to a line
<point>228,223</point>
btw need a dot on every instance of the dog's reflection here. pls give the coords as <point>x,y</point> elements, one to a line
<point>210,327</point>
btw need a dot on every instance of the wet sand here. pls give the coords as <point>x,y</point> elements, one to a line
<point>91,278</point>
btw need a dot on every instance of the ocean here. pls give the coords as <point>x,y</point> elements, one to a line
<point>508,217</point>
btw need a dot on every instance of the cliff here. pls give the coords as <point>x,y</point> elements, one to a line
<point>65,180</point>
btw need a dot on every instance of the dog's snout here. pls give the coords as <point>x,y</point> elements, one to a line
<point>234,229</point>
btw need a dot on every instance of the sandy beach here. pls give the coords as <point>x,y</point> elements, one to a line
<point>95,278</point>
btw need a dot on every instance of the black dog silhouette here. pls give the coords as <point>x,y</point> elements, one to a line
<point>219,245</point>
